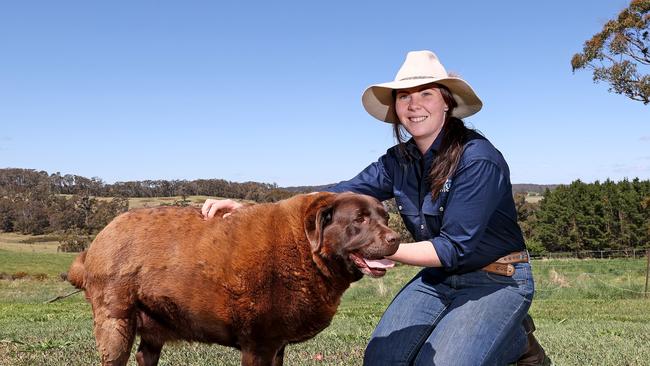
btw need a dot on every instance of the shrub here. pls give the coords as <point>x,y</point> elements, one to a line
<point>396,223</point>
<point>535,247</point>
<point>74,241</point>
<point>40,276</point>
<point>19,275</point>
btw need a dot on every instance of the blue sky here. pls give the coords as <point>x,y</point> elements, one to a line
<point>271,91</point>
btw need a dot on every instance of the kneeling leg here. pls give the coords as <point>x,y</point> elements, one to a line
<point>114,338</point>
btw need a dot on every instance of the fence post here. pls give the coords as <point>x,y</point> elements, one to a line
<point>647,272</point>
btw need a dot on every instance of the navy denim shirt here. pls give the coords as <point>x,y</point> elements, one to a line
<point>473,220</point>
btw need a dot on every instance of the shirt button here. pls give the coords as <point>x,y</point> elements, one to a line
<point>441,209</point>
<point>399,207</point>
<point>422,227</point>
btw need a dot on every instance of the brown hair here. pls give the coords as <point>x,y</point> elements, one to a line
<point>454,136</point>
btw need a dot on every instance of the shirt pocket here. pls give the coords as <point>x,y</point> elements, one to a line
<point>433,214</point>
<point>433,208</point>
<point>409,212</point>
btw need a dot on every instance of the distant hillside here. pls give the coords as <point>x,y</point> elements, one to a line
<point>303,189</point>
<point>16,180</point>
<point>516,188</point>
<point>528,187</point>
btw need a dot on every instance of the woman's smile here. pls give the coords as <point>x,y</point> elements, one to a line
<point>417,119</point>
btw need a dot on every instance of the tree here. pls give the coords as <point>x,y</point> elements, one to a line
<point>646,207</point>
<point>8,214</point>
<point>104,212</point>
<point>553,226</point>
<point>525,214</point>
<point>31,217</point>
<point>618,52</point>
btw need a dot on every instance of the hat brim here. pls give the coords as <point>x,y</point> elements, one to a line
<point>379,102</point>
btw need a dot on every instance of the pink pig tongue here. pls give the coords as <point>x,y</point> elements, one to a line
<point>379,263</point>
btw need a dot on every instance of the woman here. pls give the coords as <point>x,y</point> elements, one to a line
<point>453,191</point>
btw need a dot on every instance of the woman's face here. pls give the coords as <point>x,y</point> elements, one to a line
<point>421,110</point>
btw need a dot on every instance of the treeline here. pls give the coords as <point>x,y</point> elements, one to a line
<point>579,216</point>
<point>526,188</point>
<point>39,213</point>
<point>67,206</point>
<point>14,181</point>
<point>532,188</point>
<point>594,216</point>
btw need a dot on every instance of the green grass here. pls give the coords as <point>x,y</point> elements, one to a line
<point>51,264</point>
<point>588,312</point>
<point>594,332</point>
<point>138,202</point>
<point>590,279</point>
<point>17,243</point>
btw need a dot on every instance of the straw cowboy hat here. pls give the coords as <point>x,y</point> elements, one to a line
<point>419,68</point>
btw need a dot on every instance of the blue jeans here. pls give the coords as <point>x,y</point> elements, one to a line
<point>469,319</point>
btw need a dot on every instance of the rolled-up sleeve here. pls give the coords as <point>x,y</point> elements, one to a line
<point>475,193</point>
<point>375,180</point>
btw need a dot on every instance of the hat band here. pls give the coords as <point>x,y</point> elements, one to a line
<point>416,77</point>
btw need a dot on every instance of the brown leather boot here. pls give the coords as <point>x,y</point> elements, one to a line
<point>534,354</point>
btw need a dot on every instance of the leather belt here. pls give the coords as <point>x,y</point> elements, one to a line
<point>503,266</point>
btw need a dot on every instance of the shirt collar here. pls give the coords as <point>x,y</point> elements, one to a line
<point>414,152</point>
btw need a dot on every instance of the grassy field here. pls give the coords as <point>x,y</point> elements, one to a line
<point>588,312</point>
<point>534,199</point>
<point>138,202</point>
<point>157,201</point>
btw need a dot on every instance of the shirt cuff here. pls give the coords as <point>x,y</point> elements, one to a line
<point>445,251</point>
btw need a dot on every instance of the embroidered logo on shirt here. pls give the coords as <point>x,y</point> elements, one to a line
<point>445,188</point>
